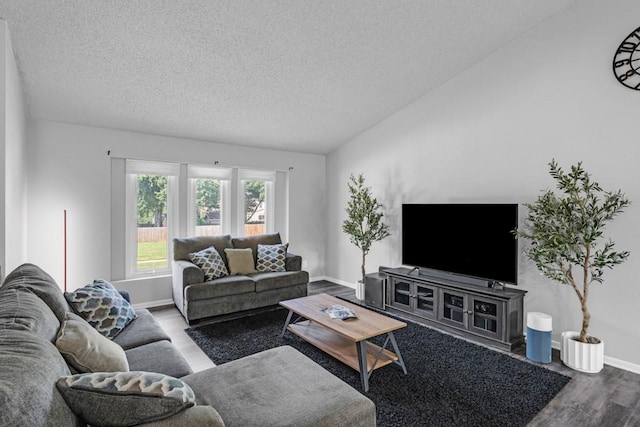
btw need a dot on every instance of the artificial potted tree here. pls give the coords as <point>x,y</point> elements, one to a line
<point>364,224</point>
<point>566,244</point>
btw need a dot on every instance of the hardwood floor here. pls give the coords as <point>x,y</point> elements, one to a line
<point>609,398</point>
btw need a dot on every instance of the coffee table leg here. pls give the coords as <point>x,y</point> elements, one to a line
<point>362,363</point>
<point>286,323</point>
<point>397,352</point>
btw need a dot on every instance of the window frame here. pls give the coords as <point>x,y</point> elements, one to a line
<point>268,177</point>
<point>224,176</point>
<point>133,168</point>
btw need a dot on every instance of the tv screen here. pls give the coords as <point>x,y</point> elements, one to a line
<point>466,239</point>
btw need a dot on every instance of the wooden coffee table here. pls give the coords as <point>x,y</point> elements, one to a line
<point>346,340</point>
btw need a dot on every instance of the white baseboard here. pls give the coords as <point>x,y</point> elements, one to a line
<point>608,360</point>
<point>153,304</point>
<point>622,364</point>
<point>333,280</point>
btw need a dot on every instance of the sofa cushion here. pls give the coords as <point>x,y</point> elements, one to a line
<point>125,398</point>
<point>87,350</point>
<point>252,242</point>
<point>230,285</point>
<point>269,281</point>
<point>196,416</point>
<point>160,356</point>
<point>42,284</point>
<point>210,262</point>
<point>285,388</point>
<point>271,257</point>
<point>29,368</point>
<point>102,306</point>
<point>240,261</point>
<point>21,309</point>
<point>144,329</point>
<point>182,247</point>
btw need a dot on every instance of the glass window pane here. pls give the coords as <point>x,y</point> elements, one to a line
<point>208,208</point>
<point>255,208</point>
<point>152,222</point>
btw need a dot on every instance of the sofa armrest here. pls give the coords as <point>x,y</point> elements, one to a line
<point>293,262</point>
<point>196,416</point>
<point>186,273</point>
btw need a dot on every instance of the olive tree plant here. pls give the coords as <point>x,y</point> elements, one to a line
<point>364,219</point>
<point>566,233</point>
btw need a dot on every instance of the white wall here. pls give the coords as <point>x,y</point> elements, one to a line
<point>5,48</point>
<point>487,136</point>
<point>12,167</point>
<point>69,169</point>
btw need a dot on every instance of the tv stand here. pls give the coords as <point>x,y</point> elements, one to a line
<point>414,269</point>
<point>491,315</point>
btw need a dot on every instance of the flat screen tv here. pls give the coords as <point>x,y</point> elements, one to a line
<point>469,240</point>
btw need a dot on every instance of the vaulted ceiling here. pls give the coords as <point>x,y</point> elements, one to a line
<point>295,75</point>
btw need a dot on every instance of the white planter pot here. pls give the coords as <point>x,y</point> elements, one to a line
<point>360,290</point>
<point>583,357</point>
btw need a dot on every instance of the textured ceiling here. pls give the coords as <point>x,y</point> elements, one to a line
<point>296,75</point>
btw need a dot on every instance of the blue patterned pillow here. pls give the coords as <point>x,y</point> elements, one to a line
<point>210,262</point>
<point>272,257</point>
<point>125,398</point>
<point>102,306</point>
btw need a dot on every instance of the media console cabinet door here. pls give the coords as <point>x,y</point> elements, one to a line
<point>486,317</point>
<point>414,297</point>
<point>425,300</point>
<point>453,308</point>
<point>400,293</point>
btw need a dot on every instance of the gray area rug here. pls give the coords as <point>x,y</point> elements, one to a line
<point>450,382</point>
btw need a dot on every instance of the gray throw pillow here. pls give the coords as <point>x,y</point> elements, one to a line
<point>210,262</point>
<point>102,306</point>
<point>272,257</point>
<point>125,398</point>
<point>86,350</point>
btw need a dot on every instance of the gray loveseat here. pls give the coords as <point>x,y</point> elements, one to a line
<point>273,388</point>
<point>197,298</point>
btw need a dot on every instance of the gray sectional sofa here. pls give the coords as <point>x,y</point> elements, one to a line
<point>278,387</point>
<point>197,298</point>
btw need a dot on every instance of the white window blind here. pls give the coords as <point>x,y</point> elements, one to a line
<point>140,167</point>
<point>207,172</point>
<point>256,175</point>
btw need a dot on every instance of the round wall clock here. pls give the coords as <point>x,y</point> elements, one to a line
<point>626,62</point>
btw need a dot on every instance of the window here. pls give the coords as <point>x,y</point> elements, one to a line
<point>209,207</point>
<point>257,202</point>
<point>152,219</point>
<point>152,216</point>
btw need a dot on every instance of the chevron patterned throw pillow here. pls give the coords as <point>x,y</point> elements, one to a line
<point>100,304</point>
<point>210,262</point>
<point>272,257</point>
<point>125,398</point>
